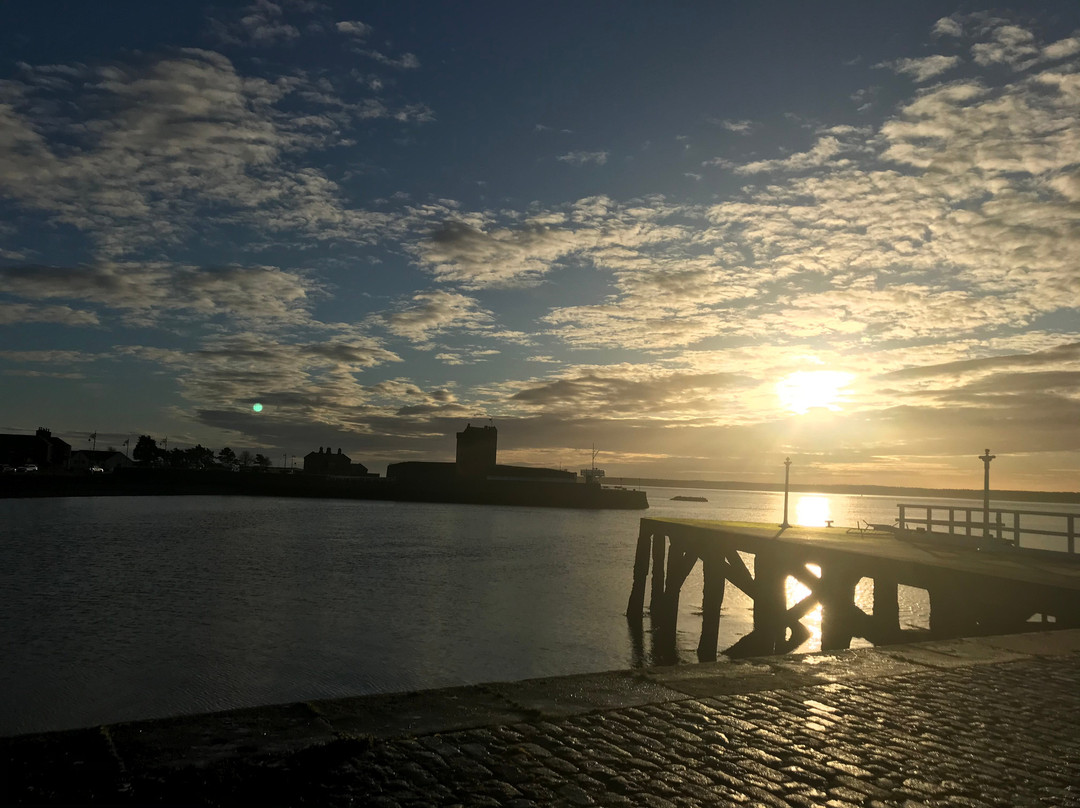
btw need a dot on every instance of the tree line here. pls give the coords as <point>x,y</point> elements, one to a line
<point>149,453</point>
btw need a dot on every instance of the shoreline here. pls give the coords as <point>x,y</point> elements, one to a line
<point>177,482</point>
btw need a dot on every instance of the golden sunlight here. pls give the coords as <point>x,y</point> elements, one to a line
<point>804,390</point>
<point>812,511</point>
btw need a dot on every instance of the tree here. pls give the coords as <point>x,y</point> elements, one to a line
<point>262,460</point>
<point>199,457</point>
<point>245,458</point>
<point>146,450</point>
<point>226,456</point>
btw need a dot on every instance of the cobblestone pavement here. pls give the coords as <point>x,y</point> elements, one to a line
<point>998,729</point>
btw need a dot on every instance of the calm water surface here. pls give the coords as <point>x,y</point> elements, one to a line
<point>122,608</point>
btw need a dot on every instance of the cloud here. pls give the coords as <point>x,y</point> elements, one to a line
<point>666,395</point>
<point>948,26</point>
<point>354,28</point>
<point>313,382</point>
<point>580,158</point>
<point>922,69</point>
<point>263,23</point>
<point>12,313</point>
<point>434,312</point>
<point>151,292</point>
<point>260,24</point>
<point>470,356</point>
<point>60,357</point>
<point>152,152</point>
<point>43,374</point>
<point>823,153</point>
<point>1062,49</point>
<point>1010,45</point>
<point>407,61</point>
<point>1061,356</point>
<point>743,127</point>
<point>950,221</point>
<point>466,253</point>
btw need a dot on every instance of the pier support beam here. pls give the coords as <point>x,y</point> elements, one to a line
<point>714,572</point>
<point>886,617</point>
<point>952,611</point>
<point>681,559</point>
<point>770,601</point>
<point>836,591</point>
<point>659,551</point>
<point>635,605</point>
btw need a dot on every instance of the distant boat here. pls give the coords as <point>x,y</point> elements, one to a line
<point>593,475</point>
<point>690,499</point>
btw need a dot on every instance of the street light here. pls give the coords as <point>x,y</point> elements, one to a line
<point>787,477</point>
<point>986,458</point>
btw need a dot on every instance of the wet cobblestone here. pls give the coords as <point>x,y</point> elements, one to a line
<point>985,736</point>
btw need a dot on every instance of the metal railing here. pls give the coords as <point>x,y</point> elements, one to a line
<point>1007,526</point>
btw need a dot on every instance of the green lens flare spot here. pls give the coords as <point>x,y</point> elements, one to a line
<point>257,407</point>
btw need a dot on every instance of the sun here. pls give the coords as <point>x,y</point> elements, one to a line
<point>805,390</point>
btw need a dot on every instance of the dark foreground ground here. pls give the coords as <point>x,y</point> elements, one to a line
<point>993,721</point>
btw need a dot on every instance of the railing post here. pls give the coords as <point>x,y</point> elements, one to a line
<point>967,519</point>
<point>952,519</point>
<point>999,527</point>
<point>1071,532</point>
<point>901,517</point>
<point>1016,528</point>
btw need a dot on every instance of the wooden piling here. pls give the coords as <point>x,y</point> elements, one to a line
<point>713,568</point>
<point>837,595</point>
<point>770,602</point>
<point>681,560</point>
<point>886,616</point>
<point>635,605</point>
<point>659,550</point>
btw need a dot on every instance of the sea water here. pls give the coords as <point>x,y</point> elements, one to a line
<point>121,608</point>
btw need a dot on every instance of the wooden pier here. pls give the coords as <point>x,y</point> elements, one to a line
<point>971,591</point>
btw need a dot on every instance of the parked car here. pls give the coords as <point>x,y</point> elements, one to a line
<point>97,470</point>
<point>6,469</point>
<point>31,467</point>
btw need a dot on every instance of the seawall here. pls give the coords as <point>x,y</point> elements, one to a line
<point>178,482</point>
<point>976,722</point>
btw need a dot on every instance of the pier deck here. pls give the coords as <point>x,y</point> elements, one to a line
<point>972,591</point>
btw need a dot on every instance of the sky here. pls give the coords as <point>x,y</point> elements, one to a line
<point>700,239</point>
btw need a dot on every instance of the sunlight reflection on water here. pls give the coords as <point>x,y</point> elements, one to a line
<point>796,591</point>
<point>812,511</point>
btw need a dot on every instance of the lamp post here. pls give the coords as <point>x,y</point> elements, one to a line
<point>787,477</point>
<point>986,458</point>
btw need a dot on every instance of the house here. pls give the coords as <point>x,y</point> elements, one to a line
<point>338,465</point>
<point>41,449</point>
<point>85,459</point>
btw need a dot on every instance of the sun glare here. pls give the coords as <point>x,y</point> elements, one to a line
<point>812,511</point>
<point>805,390</point>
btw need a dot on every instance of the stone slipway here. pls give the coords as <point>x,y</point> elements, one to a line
<point>989,721</point>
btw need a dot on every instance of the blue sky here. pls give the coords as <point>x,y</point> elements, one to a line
<point>702,239</point>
